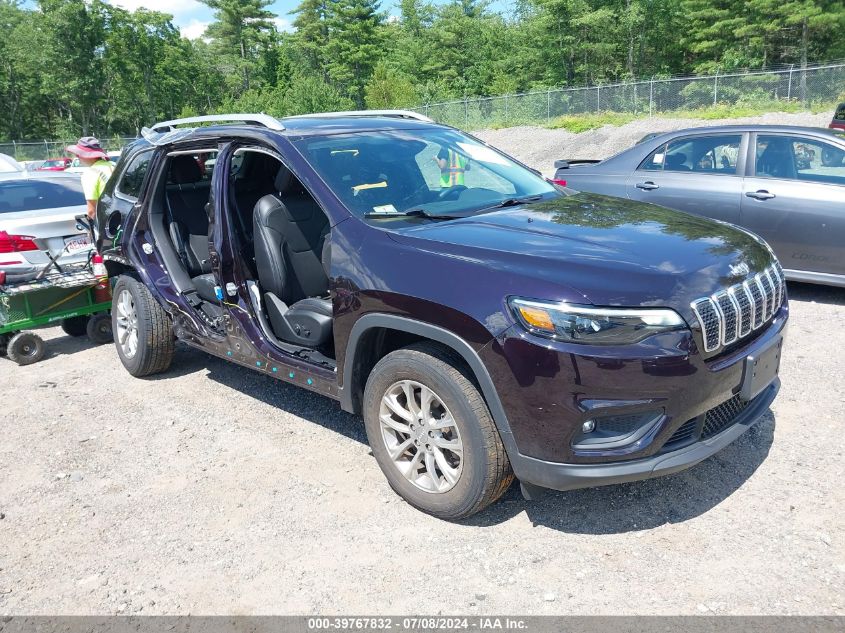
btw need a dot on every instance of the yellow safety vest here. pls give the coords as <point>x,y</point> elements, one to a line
<point>454,173</point>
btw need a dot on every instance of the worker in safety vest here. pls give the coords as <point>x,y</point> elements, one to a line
<point>98,170</point>
<point>453,166</point>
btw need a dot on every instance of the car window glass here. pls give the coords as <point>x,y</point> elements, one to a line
<point>709,154</point>
<point>133,175</point>
<point>33,195</point>
<point>840,113</point>
<point>799,158</point>
<point>654,162</point>
<point>443,171</point>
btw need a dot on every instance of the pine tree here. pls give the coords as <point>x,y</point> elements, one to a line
<point>240,32</point>
<point>354,44</point>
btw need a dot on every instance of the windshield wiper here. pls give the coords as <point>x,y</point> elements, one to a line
<point>415,212</point>
<point>513,202</point>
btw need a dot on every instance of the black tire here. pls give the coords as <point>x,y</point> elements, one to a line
<point>75,326</point>
<point>486,472</point>
<point>154,350</point>
<point>4,343</point>
<point>25,348</point>
<point>99,329</point>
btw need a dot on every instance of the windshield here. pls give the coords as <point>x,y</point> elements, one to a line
<point>439,171</point>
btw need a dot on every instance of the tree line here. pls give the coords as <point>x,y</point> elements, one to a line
<point>74,67</point>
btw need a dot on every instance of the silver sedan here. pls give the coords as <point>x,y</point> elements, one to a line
<point>787,184</point>
<point>37,223</point>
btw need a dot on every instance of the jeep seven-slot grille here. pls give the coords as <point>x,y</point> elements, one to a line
<point>734,313</point>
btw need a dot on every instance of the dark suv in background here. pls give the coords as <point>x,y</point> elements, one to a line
<point>486,323</point>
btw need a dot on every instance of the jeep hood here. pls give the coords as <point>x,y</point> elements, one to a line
<point>610,250</point>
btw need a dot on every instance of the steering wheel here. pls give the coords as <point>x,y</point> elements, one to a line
<point>451,193</point>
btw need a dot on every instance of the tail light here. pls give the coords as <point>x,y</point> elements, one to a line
<point>16,243</point>
<point>559,181</point>
<point>2,277</point>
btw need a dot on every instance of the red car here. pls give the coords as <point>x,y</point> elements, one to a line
<point>838,122</point>
<point>54,164</point>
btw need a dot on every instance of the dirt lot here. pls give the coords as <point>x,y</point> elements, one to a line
<point>213,489</point>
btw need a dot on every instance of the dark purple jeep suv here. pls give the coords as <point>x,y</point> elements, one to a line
<point>486,323</point>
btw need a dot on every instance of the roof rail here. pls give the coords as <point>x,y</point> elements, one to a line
<point>259,119</point>
<point>401,114</point>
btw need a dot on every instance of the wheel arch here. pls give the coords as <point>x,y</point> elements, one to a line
<point>366,345</point>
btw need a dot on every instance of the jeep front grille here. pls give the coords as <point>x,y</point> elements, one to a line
<point>732,314</point>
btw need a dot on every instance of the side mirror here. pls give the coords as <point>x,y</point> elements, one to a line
<point>561,164</point>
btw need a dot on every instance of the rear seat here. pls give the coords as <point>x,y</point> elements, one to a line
<point>187,195</point>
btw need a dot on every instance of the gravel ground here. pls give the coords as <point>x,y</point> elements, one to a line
<point>212,489</point>
<point>540,147</point>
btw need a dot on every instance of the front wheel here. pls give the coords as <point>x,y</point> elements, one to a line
<point>432,435</point>
<point>25,348</point>
<point>143,335</point>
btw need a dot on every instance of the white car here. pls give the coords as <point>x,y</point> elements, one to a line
<point>38,222</point>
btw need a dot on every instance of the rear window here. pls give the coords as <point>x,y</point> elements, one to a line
<point>33,195</point>
<point>840,113</point>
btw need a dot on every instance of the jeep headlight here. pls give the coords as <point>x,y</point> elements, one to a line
<point>595,326</point>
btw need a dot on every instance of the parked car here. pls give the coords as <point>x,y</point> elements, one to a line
<point>484,322</point>
<point>838,122</point>
<point>54,164</point>
<point>787,184</point>
<point>37,219</point>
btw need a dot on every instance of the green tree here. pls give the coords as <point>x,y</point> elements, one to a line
<point>389,88</point>
<point>354,44</point>
<point>72,35</point>
<point>242,31</point>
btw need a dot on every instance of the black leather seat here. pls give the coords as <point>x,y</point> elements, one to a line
<point>187,196</point>
<point>291,257</point>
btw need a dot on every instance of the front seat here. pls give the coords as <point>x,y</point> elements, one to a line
<point>290,251</point>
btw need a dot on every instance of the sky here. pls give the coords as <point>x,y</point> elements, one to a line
<point>191,17</point>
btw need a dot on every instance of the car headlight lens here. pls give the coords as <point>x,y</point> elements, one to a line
<point>591,325</point>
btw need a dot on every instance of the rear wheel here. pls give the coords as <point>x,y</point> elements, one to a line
<point>99,329</point>
<point>143,334</point>
<point>432,435</point>
<point>4,343</point>
<point>25,348</point>
<point>75,326</point>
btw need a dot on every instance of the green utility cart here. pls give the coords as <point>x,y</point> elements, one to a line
<point>75,297</point>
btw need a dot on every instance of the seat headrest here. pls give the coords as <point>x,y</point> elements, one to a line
<point>184,169</point>
<point>676,160</point>
<point>284,180</point>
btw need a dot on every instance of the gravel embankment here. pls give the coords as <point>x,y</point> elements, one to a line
<point>540,147</point>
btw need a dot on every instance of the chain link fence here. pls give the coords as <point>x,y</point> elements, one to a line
<point>818,84</point>
<point>43,150</point>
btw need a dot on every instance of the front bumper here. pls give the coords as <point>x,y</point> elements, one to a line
<point>695,405</point>
<point>559,476</point>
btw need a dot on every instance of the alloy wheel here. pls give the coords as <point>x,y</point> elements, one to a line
<point>421,436</point>
<point>127,324</point>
